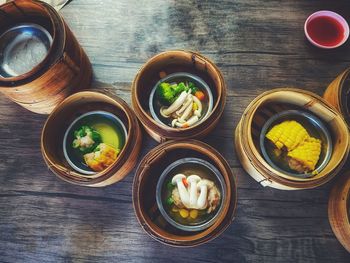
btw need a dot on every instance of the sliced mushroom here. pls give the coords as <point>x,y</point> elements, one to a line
<point>186,113</point>
<point>184,196</point>
<point>203,186</point>
<point>173,107</point>
<point>188,123</point>
<point>192,181</point>
<point>188,101</point>
<point>173,123</point>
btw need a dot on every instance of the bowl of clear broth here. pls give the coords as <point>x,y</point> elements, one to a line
<point>190,193</point>
<point>93,141</point>
<point>180,100</point>
<point>296,143</point>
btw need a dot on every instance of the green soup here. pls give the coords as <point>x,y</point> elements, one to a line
<point>106,124</point>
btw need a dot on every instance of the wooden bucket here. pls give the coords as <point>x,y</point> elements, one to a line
<point>73,107</point>
<point>65,69</point>
<point>144,193</point>
<point>171,62</point>
<point>339,209</point>
<point>262,108</point>
<point>337,94</point>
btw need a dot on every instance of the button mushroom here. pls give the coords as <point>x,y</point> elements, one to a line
<point>184,195</point>
<point>192,181</point>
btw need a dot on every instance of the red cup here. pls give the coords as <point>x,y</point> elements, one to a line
<point>326,29</point>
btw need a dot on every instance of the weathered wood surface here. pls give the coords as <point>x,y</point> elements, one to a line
<point>258,45</point>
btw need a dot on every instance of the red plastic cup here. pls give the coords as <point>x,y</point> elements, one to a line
<point>326,29</point>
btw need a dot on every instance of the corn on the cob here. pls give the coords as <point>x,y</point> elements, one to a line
<point>306,155</point>
<point>287,134</point>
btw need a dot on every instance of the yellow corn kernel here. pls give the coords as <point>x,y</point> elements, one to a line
<point>287,134</point>
<point>194,214</point>
<point>307,153</point>
<point>184,213</point>
<point>194,106</point>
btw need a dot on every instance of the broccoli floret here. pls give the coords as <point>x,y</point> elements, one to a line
<point>192,87</point>
<point>86,139</point>
<point>168,93</point>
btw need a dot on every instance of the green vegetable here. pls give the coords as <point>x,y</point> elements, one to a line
<point>170,186</point>
<point>82,141</point>
<point>168,93</point>
<point>193,88</point>
<point>170,200</point>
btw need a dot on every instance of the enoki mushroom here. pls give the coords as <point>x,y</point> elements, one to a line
<point>185,111</point>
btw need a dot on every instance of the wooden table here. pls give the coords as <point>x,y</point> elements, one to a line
<point>258,45</point>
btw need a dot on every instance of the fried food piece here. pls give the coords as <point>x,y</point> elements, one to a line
<point>213,199</point>
<point>103,156</point>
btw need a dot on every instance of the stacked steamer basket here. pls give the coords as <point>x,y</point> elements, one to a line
<point>70,109</point>
<point>270,103</point>
<point>65,68</point>
<point>179,146</point>
<point>337,94</point>
<point>338,210</point>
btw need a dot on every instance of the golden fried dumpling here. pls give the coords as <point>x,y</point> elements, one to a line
<point>103,156</point>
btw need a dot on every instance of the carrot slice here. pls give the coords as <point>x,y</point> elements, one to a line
<point>185,182</point>
<point>200,95</point>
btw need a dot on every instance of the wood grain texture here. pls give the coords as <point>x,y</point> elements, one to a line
<point>258,45</point>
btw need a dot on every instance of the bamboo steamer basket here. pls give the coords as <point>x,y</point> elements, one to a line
<point>337,94</point>
<point>171,62</point>
<point>144,193</point>
<point>64,70</point>
<point>270,103</point>
<point>66,112</point>
<point>338,210</point>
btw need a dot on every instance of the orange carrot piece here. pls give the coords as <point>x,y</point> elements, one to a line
<point>200,95</point>
<point>185,182</point>
<point>162,74</point>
